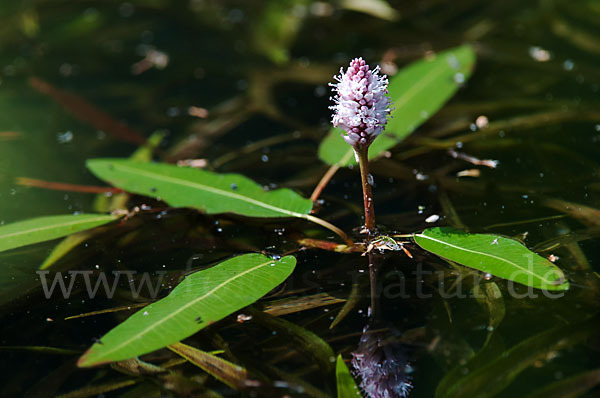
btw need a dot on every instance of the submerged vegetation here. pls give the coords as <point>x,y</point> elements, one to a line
<point>206,267</point>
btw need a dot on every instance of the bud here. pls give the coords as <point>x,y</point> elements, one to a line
<point>361,106</point>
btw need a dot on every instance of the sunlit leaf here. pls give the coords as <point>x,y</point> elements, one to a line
<point>417,92</point>
<point>200,300</point>
<point>493,254</point>
<point>42,229</point>
<point>346,386</point>
<point>377,8</point>
<point>200,189</point>
<point>233,375</point>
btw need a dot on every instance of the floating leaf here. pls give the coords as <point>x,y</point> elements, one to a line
<point>204,190</point>
<point>233,375</point>
<point>499,256</point>
<point>200,189</point>
<point>41,229</point>
<point>200,300</point>
<point>417,92</point>
<point>346,386</point>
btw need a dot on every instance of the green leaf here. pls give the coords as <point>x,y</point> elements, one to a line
<point>487,379</point>
<point>66,245</point>
<point>570,387</point>
<point>200,300</point>
<point>417,92</point>
<point>200,189</point>
<point>303,340</point>
<point>499,256</point>
<point>41,229</point>
<point>231,374</point>
<point>346,386</point>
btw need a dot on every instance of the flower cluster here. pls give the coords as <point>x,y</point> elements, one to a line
<point>383,365</point>
<point>361,106</point>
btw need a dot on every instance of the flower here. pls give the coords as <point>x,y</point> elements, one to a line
<point>361,106</point>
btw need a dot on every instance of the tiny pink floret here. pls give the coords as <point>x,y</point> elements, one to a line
<point>361,106</point>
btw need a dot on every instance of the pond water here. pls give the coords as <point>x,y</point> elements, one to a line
<point>245,87</point>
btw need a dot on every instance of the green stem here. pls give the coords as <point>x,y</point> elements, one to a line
<point>363,161</point>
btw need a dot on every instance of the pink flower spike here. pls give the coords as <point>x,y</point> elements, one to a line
<point>361,106</point>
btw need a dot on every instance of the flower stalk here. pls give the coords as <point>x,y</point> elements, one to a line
<point>366,181</point>
<point>361,110</point>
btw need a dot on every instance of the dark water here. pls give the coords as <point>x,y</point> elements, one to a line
<point>261,70</point>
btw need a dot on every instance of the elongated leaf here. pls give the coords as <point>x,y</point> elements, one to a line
<point>200,300</point>
<point>499,256</point>
<point>346,386</point>
<point>233,375</point>
<point>570,387</point>
<point>302,339</point>
<point>488,379</point>
<point>417,92</point>
<point>41,229</point>
<point>66,245</point>
<point>200,189</point>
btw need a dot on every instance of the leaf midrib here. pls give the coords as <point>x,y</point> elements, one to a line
<point>488,255</point>
<point>182,308</point>
<point>53,226</point>
<point>232,195</point>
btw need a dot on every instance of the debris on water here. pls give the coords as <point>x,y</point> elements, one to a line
<point>193,163</point>
<point>568,65</point>
<point>65,137</point>
<point>420,176</point>
<point>482,121</point>
<point>370,179</point>
<point>241,318</point>
<point>539,54</point>
<point>432,218</point>
<point>469,173</point>
<point>197,111</point>
<point>472,159</point>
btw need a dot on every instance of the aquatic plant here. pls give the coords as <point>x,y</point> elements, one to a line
<point>362,109</point>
